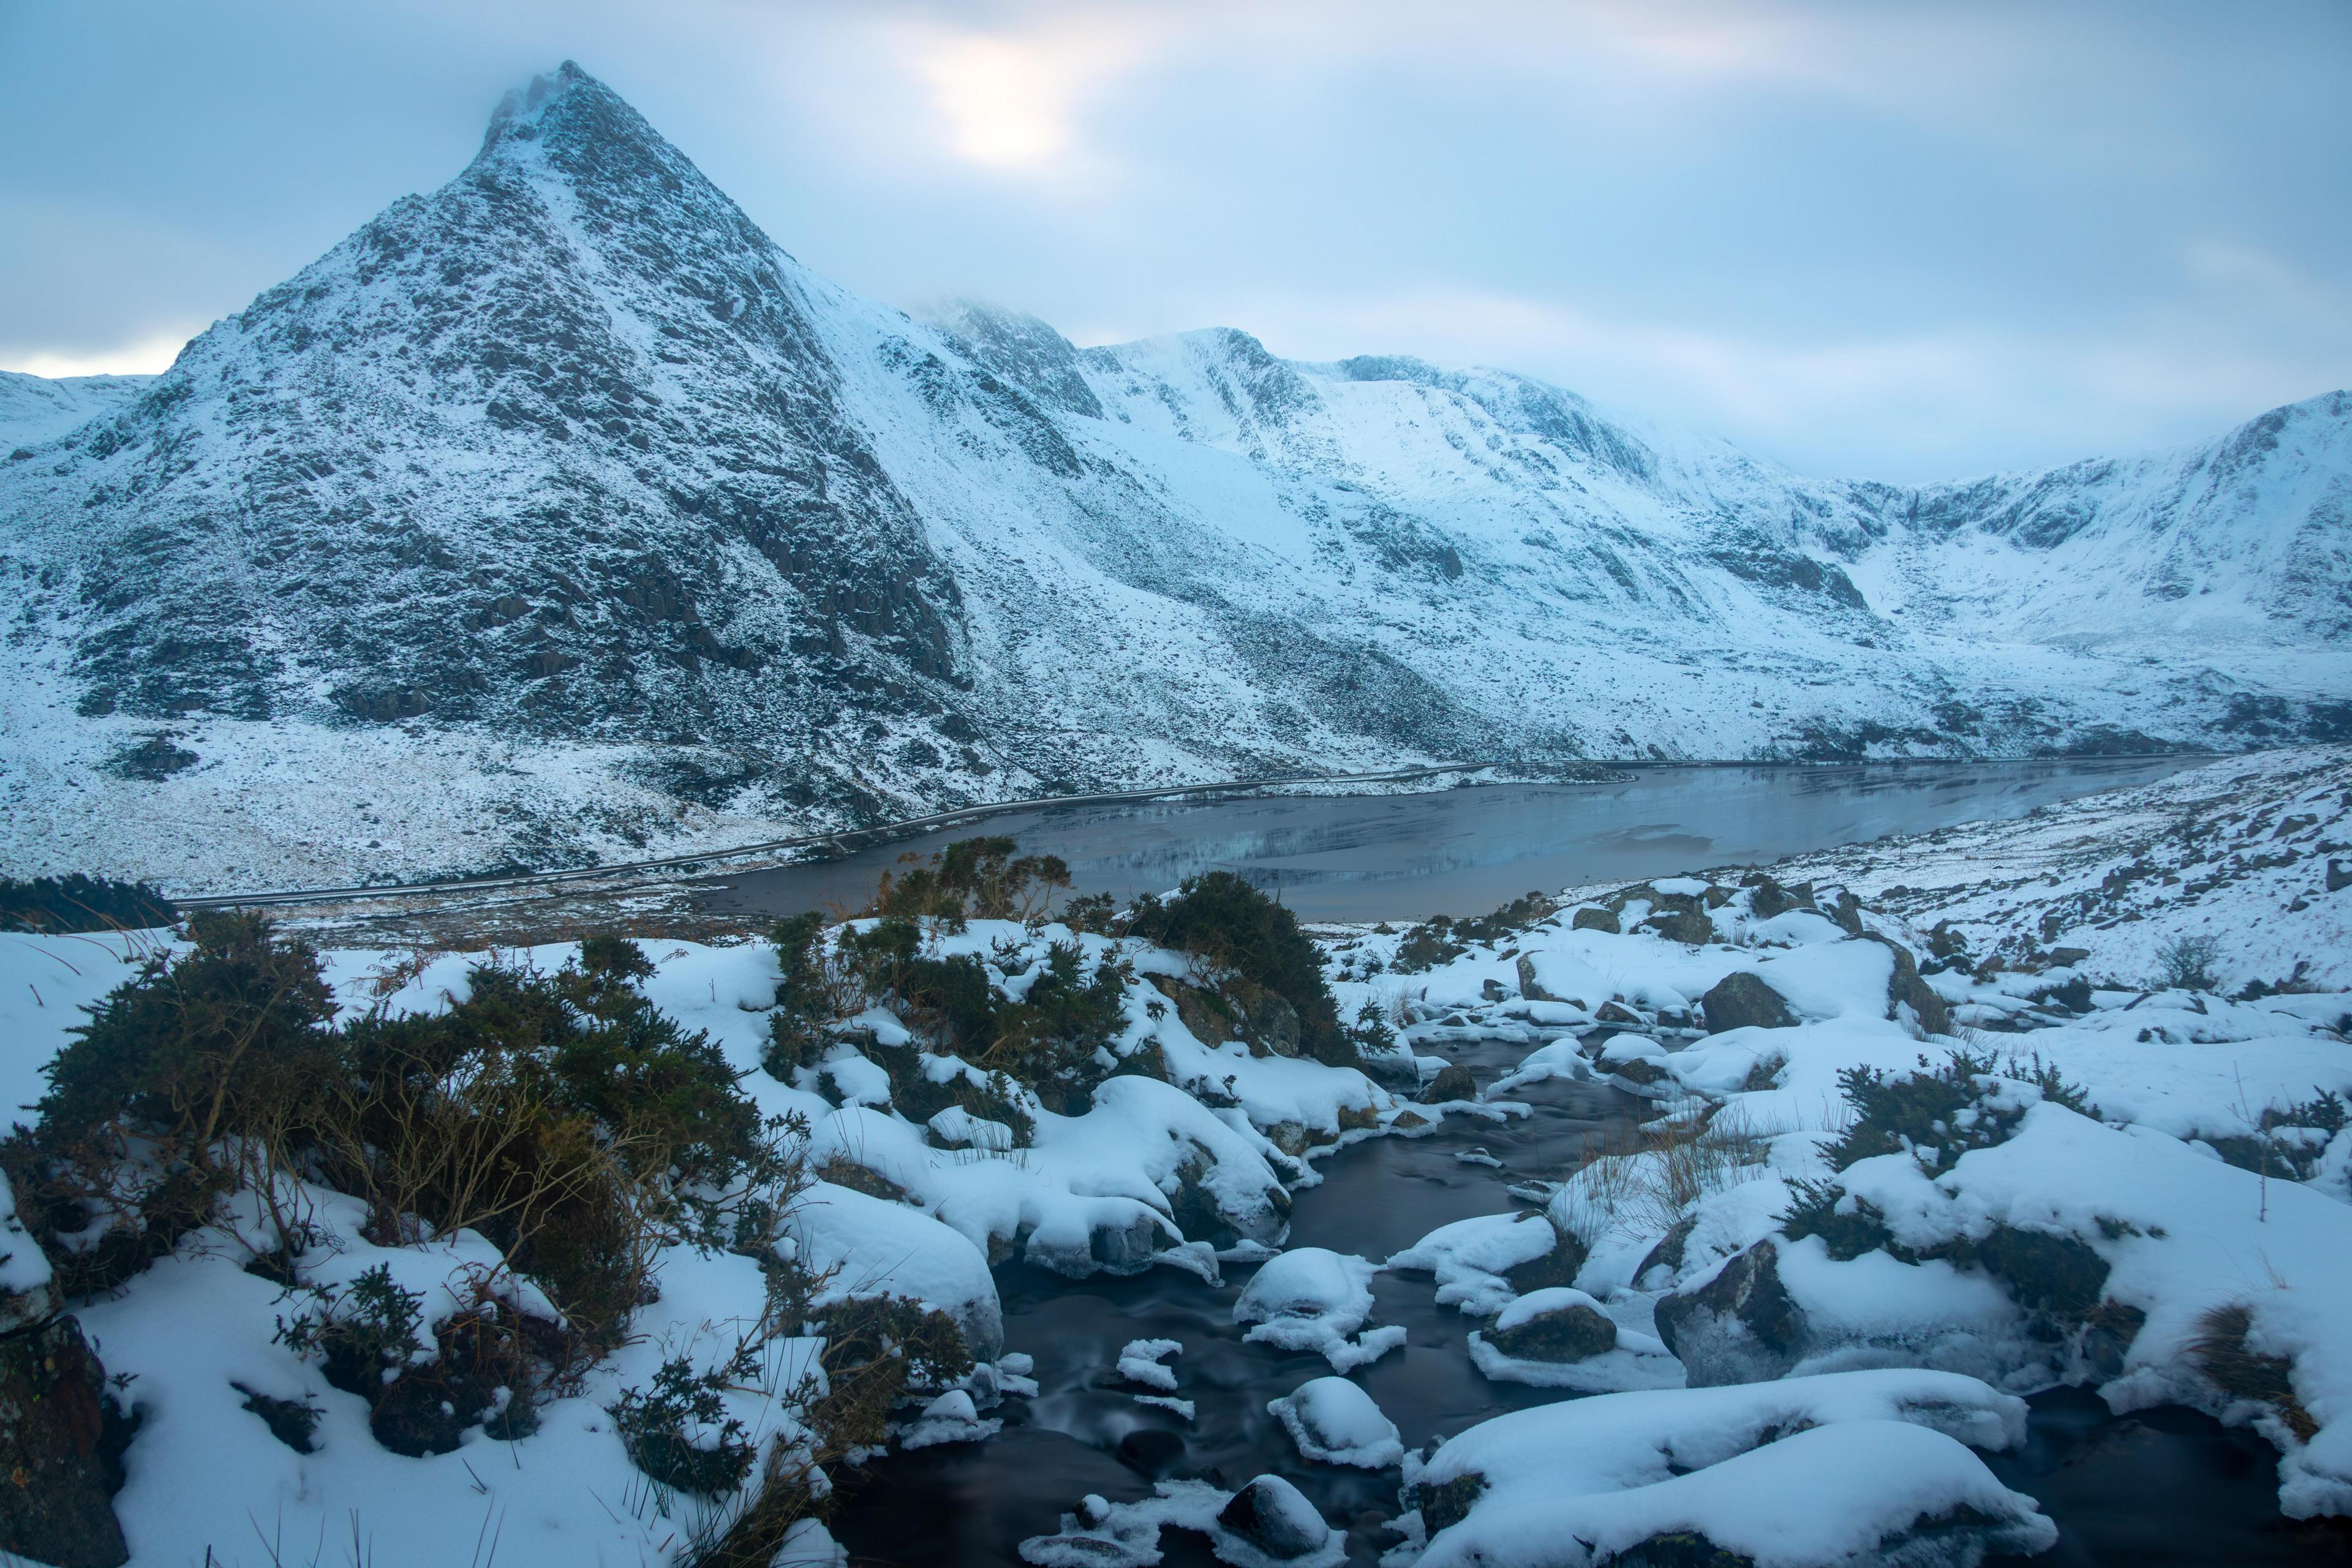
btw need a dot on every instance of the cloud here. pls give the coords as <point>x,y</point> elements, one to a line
<point>1924,405</point>
<point>1011,100</point>
<point>147,356</point>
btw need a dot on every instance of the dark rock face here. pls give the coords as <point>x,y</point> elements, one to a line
<point>1743,1001</point>
<point>1682,925</point>
<point>1453,1081</point>
<point>1739,1326</point>
<point>1771,899</point>
<point>1275,1517</point>
<point>1559,1265</point>
<point>1572,1333</point>
<point>1595,920</point>
<point>58,1470</point>
<point>1905,988</point>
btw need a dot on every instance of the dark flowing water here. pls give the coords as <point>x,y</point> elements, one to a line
<point>1465,851</point>
<point>2165,1487</point>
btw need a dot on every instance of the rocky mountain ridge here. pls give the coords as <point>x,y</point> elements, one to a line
<point>565,501</point>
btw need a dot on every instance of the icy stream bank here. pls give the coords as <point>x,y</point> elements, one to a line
<point>2162,1486</point>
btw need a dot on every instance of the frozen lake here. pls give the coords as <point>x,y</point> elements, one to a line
<point>1465,851</point>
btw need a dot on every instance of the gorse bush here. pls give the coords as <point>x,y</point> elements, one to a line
<point>972,878</point>
<point>678,1431</point>
<point>560,1115</point>
<point>2186,964</point>
<point>1235,928</point>
<point>79,903</point>
<point>201,1063</point>
<point>1971,1101</point>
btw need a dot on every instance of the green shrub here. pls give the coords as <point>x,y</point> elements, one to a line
<point>979,877</point>
<point>79,903</point>
<point>1231,926</point>
<point>2186,964</point>
<point>562,1115</point>
<point>1057,1037</point>
<point>1951,1108</point>
<point>657,1426</point>
<point>212,1056</point>
<point>803,996</point>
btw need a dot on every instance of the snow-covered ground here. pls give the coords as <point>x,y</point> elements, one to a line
<point>1765,1328</point>
<point>2135,1184</point>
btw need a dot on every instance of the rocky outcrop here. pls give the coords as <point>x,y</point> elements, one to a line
<point>60,1463</point>
<point>1743,1001</point>
<point>1737,1325</point>
<point>1570,1331</point>
<point>1276,1518</point>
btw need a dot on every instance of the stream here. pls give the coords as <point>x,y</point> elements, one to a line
<point>2163,1487</point>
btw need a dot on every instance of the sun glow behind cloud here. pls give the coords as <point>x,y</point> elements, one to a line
<point>1012,101</point>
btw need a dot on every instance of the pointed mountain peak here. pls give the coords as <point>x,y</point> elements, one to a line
<point>555,101</point>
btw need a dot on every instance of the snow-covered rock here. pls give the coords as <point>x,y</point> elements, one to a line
<point>1312,1298</point>
<point>1335,1422</point>
<point>1815,1472</point>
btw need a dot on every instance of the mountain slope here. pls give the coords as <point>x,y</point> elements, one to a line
<point>34,408</point>
<point>559,513</point>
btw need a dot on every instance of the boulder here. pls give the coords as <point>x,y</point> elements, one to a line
<point>1334,1422</point>
<point>1554,1325</point>
<point>1737,1325</point>
<point>1690,926</point>
<point>1770,898</point>
<point>58,1470</point>
<point>1743,1001</point>
<point>1276,1518</point>
<point>1454,1081</point>
<point>1557,1266</point>
<point>1604,920</point>
<point>1905,988</point>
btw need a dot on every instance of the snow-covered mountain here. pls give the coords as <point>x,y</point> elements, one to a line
<point>38,409</point>
<point>559,511</point>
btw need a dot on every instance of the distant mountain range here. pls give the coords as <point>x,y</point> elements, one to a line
<point>560,514</point>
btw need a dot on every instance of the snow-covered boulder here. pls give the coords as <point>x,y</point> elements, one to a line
<point>1335,1422</point>
<point>1275,1520</point>
<point>1312,1298</point>
<point>1481,1264</point>
<point>1814,1473</point>
<point>870,1245</point>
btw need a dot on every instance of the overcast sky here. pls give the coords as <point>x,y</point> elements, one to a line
<point>1908,241</point>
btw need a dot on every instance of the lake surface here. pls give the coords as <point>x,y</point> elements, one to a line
<point>1465,851</point>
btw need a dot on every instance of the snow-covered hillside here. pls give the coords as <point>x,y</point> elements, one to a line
<point>38,409</point>
<point>559,513</point>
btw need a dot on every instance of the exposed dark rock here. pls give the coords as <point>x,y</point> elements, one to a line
<point>1275,1517</point>
<point>1668,1253</point>
<point>1738,1326</point>
<point>1595,920</point>
<point>1682,925</point>
<point>1741,1001</point>
<point>1571,1333</point>
<point>58,1470</point>
<point>1905,988</point>
<point>1558,1264</point>
<point>1771,899</point>
<point>1454,1081</point>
